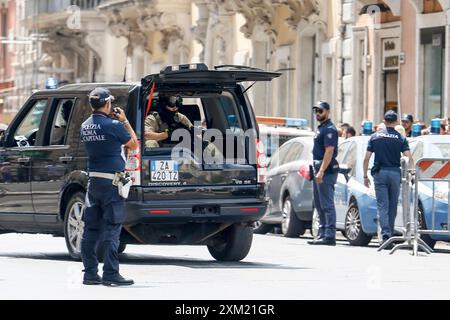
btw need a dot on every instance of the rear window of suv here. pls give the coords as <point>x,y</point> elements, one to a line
<point>216,117</point>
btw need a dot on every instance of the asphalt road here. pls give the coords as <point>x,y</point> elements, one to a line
<point>38,267</point>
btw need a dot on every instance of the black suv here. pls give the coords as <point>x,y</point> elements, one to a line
<point>43,167</point>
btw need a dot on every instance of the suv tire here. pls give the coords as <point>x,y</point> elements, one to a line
<point>292,226</point>
<point>74,225</point>
<point>236,244</point>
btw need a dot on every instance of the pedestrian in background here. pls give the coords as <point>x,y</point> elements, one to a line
<point>326,168</point>
<point>388,145</point>
<point>350,133</point>
<point>407,122</point>
<point>342,130</point>
<point>105,135</point>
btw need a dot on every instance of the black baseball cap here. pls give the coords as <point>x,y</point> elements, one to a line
<point>408,117</point>
<point>391,116</point>
<point>323,105</point>
<point>99,96</point>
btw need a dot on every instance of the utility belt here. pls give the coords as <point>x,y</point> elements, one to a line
<point>376,168</point>
<point>121,180</point>
<point>333,168</point>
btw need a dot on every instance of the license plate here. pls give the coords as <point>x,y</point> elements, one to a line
<point>164,171</point>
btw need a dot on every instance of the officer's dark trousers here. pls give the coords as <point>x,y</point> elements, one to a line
<point>324,204</point>
<point>387,188</point>
<point>103,219</point>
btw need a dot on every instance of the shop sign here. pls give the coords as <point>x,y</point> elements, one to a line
<point>391,53</point>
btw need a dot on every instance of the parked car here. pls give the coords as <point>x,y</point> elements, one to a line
<point>356,206</point>
<point>356,209</point>
<point>43,170</point>
<point>289,190</point>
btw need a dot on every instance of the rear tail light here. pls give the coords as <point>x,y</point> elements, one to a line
<point>134,165</point>
<point>159,212</point>
<point>304,171</point>
<point>261,161</point>
<point>249,210</point>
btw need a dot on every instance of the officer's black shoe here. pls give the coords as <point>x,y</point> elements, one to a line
<point>117,280</point>
<point>92,281</point>
<point>323,242</point>
<point>312,242</point>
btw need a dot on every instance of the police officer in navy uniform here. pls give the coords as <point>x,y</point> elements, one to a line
<point>388,145</point>
<point>106,135</point>
<point>326,168</point>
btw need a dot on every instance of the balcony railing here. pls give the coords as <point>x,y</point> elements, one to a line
<point>38,7</point>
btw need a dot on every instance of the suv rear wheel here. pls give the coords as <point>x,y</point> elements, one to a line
<point>74,225</point>
<point>291,226</point>
<point>234,245</point>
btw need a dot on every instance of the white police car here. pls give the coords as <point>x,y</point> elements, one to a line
<point>356,208</point>
<point>432,146</point>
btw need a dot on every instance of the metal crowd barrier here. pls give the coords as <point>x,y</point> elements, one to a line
<point>431,170</point>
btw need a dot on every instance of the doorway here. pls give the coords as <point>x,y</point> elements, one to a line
<point>391,91</point>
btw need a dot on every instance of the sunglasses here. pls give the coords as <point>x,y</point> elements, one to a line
<point>318,111</point>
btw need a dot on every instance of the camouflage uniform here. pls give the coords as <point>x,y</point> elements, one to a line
<point>154,123</point>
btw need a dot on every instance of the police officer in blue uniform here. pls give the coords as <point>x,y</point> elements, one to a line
<point>388,145</point>
<point>106,135</point>
<point>326,172</point>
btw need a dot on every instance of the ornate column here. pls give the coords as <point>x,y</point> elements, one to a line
<point>172,21</point>
<point>73,46</point>
<point>259,16</point>
<point>200,31</point>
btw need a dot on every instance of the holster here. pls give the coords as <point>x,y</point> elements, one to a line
<point>312,173</point>
<point>123,182</point>
<point>374,170</point>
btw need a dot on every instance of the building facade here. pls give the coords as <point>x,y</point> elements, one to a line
<point>364,56</point>
<point>7,54</point>
<point>397,59</point>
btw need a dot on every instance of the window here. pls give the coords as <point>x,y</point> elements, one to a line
<point>278,157</point>
<point>418,152</point>
<point>27,131</point>
<point>433,46</point>
<point>61,122</point>
<point>274,160</point>
<point>293,153</point>
<point>218,112</point>
<point>350,159</point>
<point>342,150</point>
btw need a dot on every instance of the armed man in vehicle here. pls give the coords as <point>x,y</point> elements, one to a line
<point>105,134</point>
<point>326,172</point>
<point>388,145</point>
<point>160,125</point>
